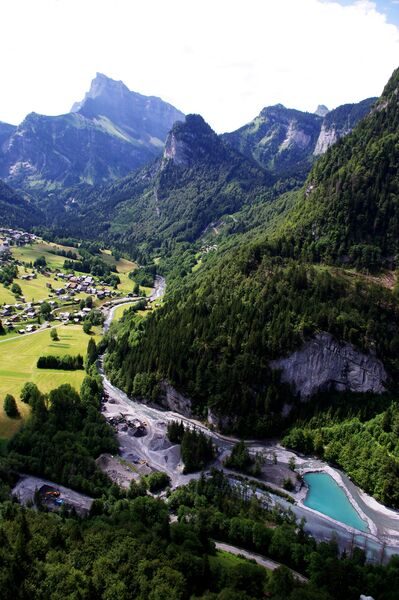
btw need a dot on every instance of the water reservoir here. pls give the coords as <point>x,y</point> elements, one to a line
<point>327,497</point>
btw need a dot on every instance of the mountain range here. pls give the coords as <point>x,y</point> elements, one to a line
<point>177,198</point>
<point>114,131</point>
<point>286,141</point>
<point>262,312</point>
<point>280,245</point>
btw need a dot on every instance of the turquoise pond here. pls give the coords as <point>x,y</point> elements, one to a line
<point>327,497</point>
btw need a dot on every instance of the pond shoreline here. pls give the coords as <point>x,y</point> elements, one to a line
<point>336,476</point>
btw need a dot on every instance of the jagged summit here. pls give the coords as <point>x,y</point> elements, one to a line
<point>321,110</point>
<point>141,117</point>
<point>101,85</point>
<point>193,140</point>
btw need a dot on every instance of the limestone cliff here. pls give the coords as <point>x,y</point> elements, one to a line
<point>325,364</point>
<point>327,137</point>
<point>339,122</point>
<point>173,400</point>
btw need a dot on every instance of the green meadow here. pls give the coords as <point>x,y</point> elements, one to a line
<point>31,253</point>
<point>18,358</point>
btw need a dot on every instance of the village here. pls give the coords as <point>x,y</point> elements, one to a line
<point>66,296</point>
<point>14,237</point>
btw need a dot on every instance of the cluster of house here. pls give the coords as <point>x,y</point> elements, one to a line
<point>29,276</point>
<point>15,237</point>
<point>12,318</point>
<point>75,317</point>
<point>82,283</point>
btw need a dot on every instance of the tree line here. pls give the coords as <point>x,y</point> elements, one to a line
<point>65,363</point>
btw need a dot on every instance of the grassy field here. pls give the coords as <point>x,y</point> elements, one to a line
<point>31,253</point>
<point>118,314</point>
<point>6,297</point>
<point>123,265</point>
<point>35,289</point>
<point>18,359</point>
<point>226,560</point>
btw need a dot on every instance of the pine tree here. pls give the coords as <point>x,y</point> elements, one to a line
<point>92,352</point>
<point>10,407</point>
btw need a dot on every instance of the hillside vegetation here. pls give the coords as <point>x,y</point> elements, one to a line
<point>348,209</point>
<point>216,333</point>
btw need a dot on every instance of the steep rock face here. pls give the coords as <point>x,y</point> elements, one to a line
<point>321,110</point>
<point>327,137</point>
<point>285,141</point>
<point>340,122</point>
<point>173,400</point>
<point>325,364</point>
<point>145,118</point>
<point>193,141</point>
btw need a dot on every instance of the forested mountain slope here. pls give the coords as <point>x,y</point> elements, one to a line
<point>255,302</point>
<point>216,334</point>
<point>348,210</point>
<point>176,199</point>
<point>16,211</point>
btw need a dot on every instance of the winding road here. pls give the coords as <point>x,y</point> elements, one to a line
<point>267,563</point>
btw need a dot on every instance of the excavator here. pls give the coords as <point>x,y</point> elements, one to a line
<point>52,494</point>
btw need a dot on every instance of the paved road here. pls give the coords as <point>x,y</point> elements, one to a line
<point>272,565</point>
<point>22,335</point>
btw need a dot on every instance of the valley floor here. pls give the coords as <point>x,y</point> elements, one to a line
<point>153,451</point>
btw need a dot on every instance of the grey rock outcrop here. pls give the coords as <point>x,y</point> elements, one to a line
<point>175,150</point>
<point>327,137</point>
<point>339,122</point>
<point>192,141</point>
<point>321,110</point>
<point>219,422</point>
<point>325,364</point>
<point>173,400</point>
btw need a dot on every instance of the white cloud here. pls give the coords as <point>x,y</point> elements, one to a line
<point>225,59</point>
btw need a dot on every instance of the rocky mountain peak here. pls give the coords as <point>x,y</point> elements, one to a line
<point>102,87</point>
<point>321,110</point>
<point>146,118</point>
<point>191,141</point>
<point>272,110</point>
<point>111,132</point>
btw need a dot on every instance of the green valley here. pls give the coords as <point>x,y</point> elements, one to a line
<point>199,337</point>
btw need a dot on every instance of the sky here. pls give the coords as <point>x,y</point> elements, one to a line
<point>224,59</point>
